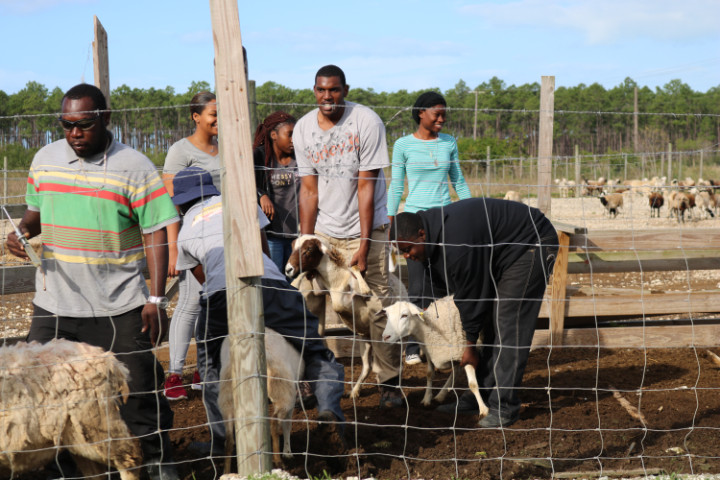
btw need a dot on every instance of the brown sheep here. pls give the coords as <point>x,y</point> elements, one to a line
<point>656,202</point>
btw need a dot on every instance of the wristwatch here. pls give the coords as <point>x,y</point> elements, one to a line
<point>161,302</point>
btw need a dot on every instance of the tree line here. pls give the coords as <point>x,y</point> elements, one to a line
<point>597,119</point>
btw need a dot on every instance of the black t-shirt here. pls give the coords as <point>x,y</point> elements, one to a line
<point>282,184</point>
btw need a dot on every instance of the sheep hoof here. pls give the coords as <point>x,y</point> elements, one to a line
<point>287,456</point>
<point>426,403</point>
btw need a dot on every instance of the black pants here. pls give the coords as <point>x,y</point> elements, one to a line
<point>146,411</point>
<point>509,330</point>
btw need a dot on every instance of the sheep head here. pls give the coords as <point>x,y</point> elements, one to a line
<point>306,255</point>
<point>399,321</point>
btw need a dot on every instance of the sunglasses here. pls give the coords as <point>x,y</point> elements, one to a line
<point>84,124</point>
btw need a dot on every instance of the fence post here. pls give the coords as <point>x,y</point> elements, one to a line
<point>487,171</point>
<point>669,162</point>
<point>101,65</point>
<point>662,164</point>
<point>545,143</point>
<point>625,159</point>
<point>5,186</point>
<point>701,163</point>
<point>243,252</point>
<point>577,172</point>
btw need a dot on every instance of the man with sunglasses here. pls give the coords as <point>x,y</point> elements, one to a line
<point>96,202</point>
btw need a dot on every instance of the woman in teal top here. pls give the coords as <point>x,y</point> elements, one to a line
<point>428,158</point>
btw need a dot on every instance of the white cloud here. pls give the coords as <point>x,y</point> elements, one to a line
<point>607,21</point>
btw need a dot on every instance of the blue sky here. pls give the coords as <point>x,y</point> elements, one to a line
<point>385,45</point>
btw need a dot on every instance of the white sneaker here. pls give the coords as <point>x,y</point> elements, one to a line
<point>413,359</point>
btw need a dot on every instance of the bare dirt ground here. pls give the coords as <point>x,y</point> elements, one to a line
<point>573,421</point>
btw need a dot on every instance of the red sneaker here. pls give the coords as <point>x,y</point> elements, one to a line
<point>197,381</point>
<point>174,389</point>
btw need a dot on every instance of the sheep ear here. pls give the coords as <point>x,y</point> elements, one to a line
<point>415,310</point>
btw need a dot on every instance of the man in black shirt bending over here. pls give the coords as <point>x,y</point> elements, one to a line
<point>495,257</point>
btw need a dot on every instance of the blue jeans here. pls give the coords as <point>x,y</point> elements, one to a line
<point>280,250</point>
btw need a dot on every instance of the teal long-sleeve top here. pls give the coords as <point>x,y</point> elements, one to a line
<point>427,164</point>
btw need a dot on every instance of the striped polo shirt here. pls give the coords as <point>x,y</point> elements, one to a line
<point>427,164</point>
<point>93,214</point>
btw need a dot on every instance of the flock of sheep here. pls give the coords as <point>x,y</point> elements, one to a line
<point>694,197</point>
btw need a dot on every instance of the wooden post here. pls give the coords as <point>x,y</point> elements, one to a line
<point>635,122</point>
<point>5,189</point>
<point>545,142</point>
<point>577,172</point>
<point>243,252</point>
<point>680,158</point>
<point>669,163</point>
<point>487,171</point>
<point>625,160</point>
<point>558,292</point>
<point>100,60</point>
<point>475,120</point>
<point>662,165</point>
<point>701,164</point>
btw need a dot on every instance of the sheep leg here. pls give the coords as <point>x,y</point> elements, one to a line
<point>472,383</point>
<point>449,384</point>
<point>286,427</point>
<point>275,437</point>
<point>229,445</point>
<point>430,375</point>
<point>355,393</point>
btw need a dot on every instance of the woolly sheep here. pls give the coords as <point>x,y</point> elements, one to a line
<point>350,296</point>
<point>513,195</point>
<point>439,330</point>
<point>612,202</point>
<point>64,394</point>
<point>285,367</point>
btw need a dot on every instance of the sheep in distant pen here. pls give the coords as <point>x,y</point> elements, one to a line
<point>612,203</point>
<point>64,394</point>
<point>439,330</point>
<point>350,296</point>
<point>285,367</point>
<point>513,196</point>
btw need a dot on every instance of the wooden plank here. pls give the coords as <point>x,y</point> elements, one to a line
<point>558,286</point>
<point>635,305</point>
<point>342,343</point>
<point>667,336</point>
<point>243,252</point>
<point>598,265</point>
<point>19,279</point>
<point>16,211</point>
<point>101,64</point>
<point>679,239</point>
<point>569,228</point>
<point>545,143</point>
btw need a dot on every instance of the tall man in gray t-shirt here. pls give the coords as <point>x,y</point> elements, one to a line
<point>341,149</point>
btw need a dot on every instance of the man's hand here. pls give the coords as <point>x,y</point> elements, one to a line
<point>155,319</point>
<point>359,259</point>
<point>470,356</point>
<point>14,245</point>
<point>267,207</point>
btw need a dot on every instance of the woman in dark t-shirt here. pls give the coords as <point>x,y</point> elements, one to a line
<point>277,182</point>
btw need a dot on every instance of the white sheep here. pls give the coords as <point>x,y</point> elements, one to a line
<point>439,330</point>
<point>350,296</point>
<point>64,395</point>
<point>285,367</point>
<point>513,196</point>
